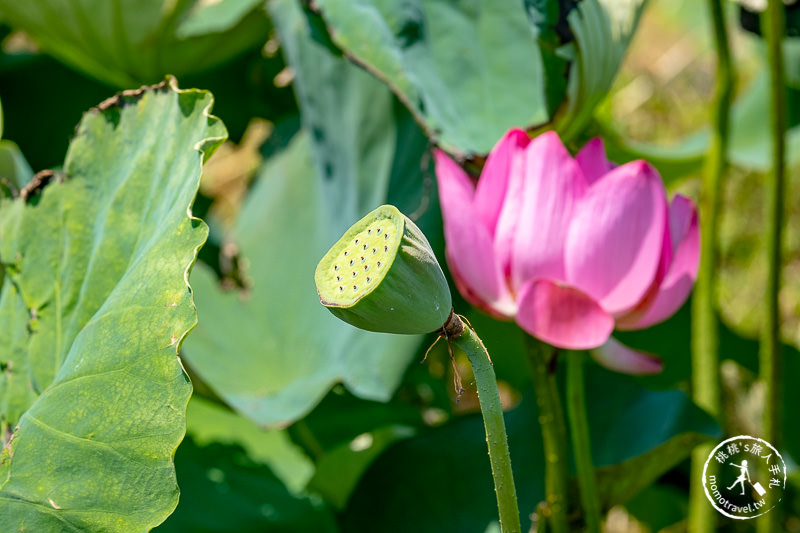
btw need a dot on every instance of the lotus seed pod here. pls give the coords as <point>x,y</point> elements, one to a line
<point>382,276</point>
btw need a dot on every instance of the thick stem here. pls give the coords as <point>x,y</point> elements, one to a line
<point>770,364</point>
<point>705,327</point>
<point>554,434</point>
<point>492,412</point>
<point>581,443</point>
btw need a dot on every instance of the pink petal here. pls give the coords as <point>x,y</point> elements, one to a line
<point>629,319</point>
<point>678,282</point>
<point>562,315</point>
<point>593,161</point>
<point>614,243</point>
<point>682,222</point>
<point>503,308</point>
<point>505,159</point>
<point>539,205</point>
<point>468,244</point>
<point>616,356</point>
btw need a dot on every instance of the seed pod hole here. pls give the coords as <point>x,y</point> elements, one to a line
<point>402,290</point>
<point>345,253</point>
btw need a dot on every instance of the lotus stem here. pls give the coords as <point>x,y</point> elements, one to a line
<point>581,443</point>
<point>705,326</point>
<point>554,434</point>
<point>770,363</point>
<point>492,411</point>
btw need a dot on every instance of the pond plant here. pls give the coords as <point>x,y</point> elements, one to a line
<point>594,192</point>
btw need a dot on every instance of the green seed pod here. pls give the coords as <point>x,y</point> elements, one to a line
<point>382,276</point>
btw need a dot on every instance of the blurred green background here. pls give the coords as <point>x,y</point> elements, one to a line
<point>300,423</point>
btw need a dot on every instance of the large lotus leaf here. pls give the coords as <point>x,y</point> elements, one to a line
<point>238,478</point>
<point>349,115</point>
<point>468,69</point>
<point>345,434</point>
<point>620,482</point>
<point>273,351</point>
<point>339,471</point>
<point>93,311</point>
<point>208,423</point>
<point>211,17</point>
<point>225,491</point>
<point>366,146</point>
<point>129,42</point>
<point>452,477</point>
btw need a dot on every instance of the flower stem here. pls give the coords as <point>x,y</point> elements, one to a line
<point>581,444</point>
<point>770,363</point>
<point>705,327</point>
<point>554,433</point>
<point>492,412</point>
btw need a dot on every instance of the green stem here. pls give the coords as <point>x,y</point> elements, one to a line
<point>492,412</point>
<point>581,443</point>
<point>705,327</point>
<point>770,364</point>
<point>554,434</point>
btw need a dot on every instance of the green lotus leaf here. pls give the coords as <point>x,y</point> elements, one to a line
<point>235,477</point>
<point>272,351</point>
<point>450,466</point>
<point>468,70</point>
<point>129,42</point>
<point>93,310</point>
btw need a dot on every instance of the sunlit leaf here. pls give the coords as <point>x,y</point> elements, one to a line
<point>272,352</point>
<point>468,70</point>
<point>129,42</point>
<point>92,313</point>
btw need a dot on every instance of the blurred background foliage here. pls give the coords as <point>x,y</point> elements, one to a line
<point>300,423</point>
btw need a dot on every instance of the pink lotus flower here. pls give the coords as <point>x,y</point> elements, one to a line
<point>569,248</point>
